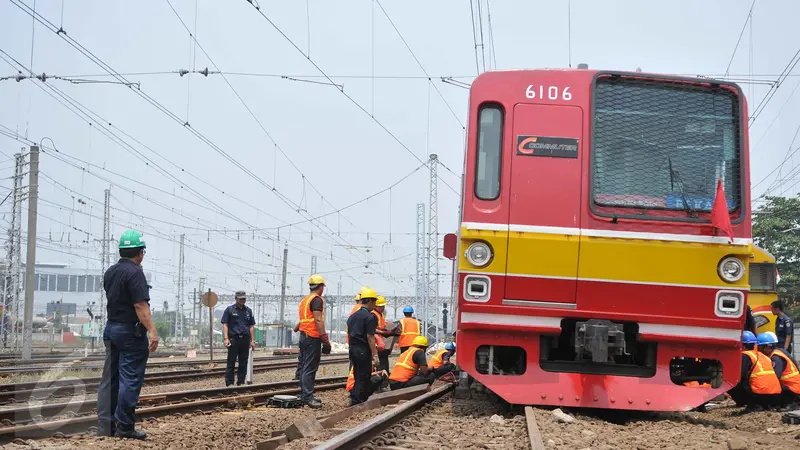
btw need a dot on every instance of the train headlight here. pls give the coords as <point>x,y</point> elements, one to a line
<point>479,254</point>
<point>731,269</point>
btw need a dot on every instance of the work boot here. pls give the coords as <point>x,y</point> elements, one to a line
<point>132,434</point>
<point>314,403</point>
<point>753,408</point>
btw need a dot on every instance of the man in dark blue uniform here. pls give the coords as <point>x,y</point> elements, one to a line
<point>784,327</point>
<point>361,326</point>
<point>238,328</point>
<point>129,337</point>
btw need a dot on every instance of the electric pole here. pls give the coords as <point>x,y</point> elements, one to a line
<point>30,259</point>
<point>105,251</point>
<point>14,266</point>
<point>283,294</point>
<point>201,289</point>
<point>179,306</point>
<point>433,243</point>
<point>420,276</point>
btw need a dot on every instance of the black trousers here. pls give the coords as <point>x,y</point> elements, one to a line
<point>383,358</point>
<point>443,369</point>
<point>743,395</point>
<point>416,380</point>
<point>311,352</point>
<point>239,349</point>
<point>361,359</point>
<point>787,396</point>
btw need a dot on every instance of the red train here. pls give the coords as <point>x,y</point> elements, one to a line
<point>589,271</point>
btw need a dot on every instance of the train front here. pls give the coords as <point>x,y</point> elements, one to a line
<point>591,272</point>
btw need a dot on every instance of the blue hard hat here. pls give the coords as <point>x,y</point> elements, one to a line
<point>748,337</point>
<point>408,309</point>
<point>768,338</point>
<point>450,347</point>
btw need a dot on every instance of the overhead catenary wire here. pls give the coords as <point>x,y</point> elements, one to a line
<point>738,41</point>
<point>419,63</point>
<point>351,99</point>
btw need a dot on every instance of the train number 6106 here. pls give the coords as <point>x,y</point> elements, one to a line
<point>548,93</point>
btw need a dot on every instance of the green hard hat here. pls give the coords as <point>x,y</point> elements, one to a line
<point>131,239</point>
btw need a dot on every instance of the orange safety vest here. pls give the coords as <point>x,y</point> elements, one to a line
<point>695,384</point>
<point>438,359</point>
<point>307,324</point>
<point>351,380</point>
<point>404,368</point>
<point>382,326</point>
<point>791,376</point>
<point>381,320</point>
<point>762,377</point>
<point>409,329</point>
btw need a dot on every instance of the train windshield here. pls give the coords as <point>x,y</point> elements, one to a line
<point>660,144</point>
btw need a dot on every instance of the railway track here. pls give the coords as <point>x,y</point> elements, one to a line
<point>26,392</point>
<point>27,425</point>
<point>63,364</point>
<point>50,358</point>
<point>434,420</point>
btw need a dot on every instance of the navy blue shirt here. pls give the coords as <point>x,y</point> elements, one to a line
<point>361,324</point>
<point>125,285</point>
<point>784,327</point>
<point>239,320</point>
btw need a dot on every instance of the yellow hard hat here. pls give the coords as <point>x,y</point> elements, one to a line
<point>357,298</point>
<point>381,301</point>
<point>315,280</point>
<point>420,341</point>
<point>368,292</point>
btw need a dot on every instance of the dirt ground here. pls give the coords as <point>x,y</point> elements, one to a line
<point>228,430</point>
<point>720,428</point>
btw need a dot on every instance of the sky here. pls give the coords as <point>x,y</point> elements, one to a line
<point>274,144</point>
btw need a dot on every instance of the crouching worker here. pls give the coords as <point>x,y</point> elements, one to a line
<point>785,369</point>
<point>440,363</point>
<point>759,387</point>
<point>411,368</point>
<point>377,381</point>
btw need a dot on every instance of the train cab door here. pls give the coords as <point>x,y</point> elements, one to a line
<point>544,212</point>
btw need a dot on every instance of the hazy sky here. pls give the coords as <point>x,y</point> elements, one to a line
<point>337,147</point>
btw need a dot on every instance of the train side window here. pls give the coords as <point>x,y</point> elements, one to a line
<point>489,154</point>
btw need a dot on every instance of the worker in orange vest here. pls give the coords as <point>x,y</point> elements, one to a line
<point>378,379</point>
<point>408,330</point>
<point>411,368</point>
<point>759,387</point>
<point>381,333</point>
<point>314,340</point>
<point>440,362</point>
<point>785,369</point>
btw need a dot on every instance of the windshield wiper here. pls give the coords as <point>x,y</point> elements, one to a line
<point>673,179</point>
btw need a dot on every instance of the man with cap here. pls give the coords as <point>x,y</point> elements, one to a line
<point>785,368</point>
<point>129,337</point>
<point>408,330</point>
<point>440,362</point>
<point>380,333</point>
<point>314,340</point>
<point>759,387</point>
<point>411,368</point>
<point>784,327</point>
<point>238,329</point>
<point>361,327</point>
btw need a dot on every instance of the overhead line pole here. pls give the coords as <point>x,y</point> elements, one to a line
<point>283,295</point>
<point>30,259</point>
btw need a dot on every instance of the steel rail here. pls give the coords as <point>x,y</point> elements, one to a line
<point>84,423</point>
<point>372,428</point>
<point>28,391</point>
<point>17,416</point>
<point>71,365</point>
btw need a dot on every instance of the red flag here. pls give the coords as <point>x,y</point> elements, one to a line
<point>720,218</point>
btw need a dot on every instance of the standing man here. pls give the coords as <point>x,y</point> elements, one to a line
<point>409,329</point>
<point>239,330</point>
<point>313,339</point>
<point>129,337</point>
<point>361,327</point>
<point>784,327</point>
<point>381,332</point>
